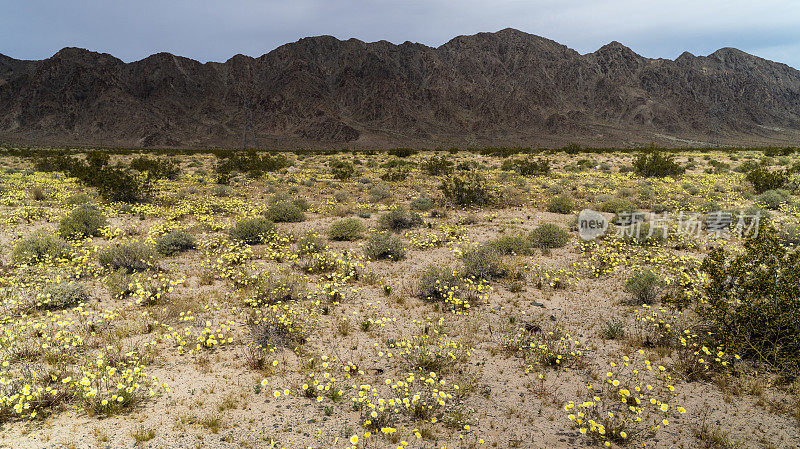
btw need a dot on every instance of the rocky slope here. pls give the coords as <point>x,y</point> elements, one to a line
<point>503,88</point>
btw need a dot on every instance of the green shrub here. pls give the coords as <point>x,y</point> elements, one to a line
<point>299,202</point>
<point>399,219</point>
<point>657,165</point>
<point>40,247</point>
<point>128,256</point>
<point>644,285</point>
<point>311,244</point>
<point>252,230</point>
<point>772,199</point>
<point>284,212</point>
<point>379,193</point>
<point>83,221</point>
<point>469,190</point>
<point>249,162</point>
<point>512,244</point>
<point>789,236</point>
<point>402,152</point>
<point>763,179</point>
<point>483,263</point>
<point>527,166</point>
<point>347,229</point>
<point>175,242</point>
<point>382,245</point>
<point>268,288</point>
<point>422,204</point>
<point>437,165</point>
<point>62,295</point>
<point>437,284</point>
<point>617,205</point>
<point>156,168</point>
<point>644,236</point>
<point>114,184</point>
<point>342,170</point>
<point>561,204</point>
<point>78,199</point>
<point>396,174</point>
<point>752,299</point>
<point>548,236</point>
<point>221,191</point>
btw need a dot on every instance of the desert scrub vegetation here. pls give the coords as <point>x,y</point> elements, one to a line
<point>548,236</point>
<point>438,284</point>
<point>175,242</point>
<point>655,164</point>
<point>62,295</point>
<point>399,219</point>
<point>644,286</point>
<point>483,263</point>
<point>284,211</point>
<point>512,244</point>
<point>342,170</point>
<point>347,229</point>
<point>764,179</point>
<point>469,189</point>
<point>383,245</point>
<point>481,332</point>
<point>751,301</point>
<point>268,288</point>
<point>252,230</point>
<point>129,256</point>
<point>527,166</point>
<point>561,204</point>
<point>311,244</point>
<point>40,247</point>
<point>83,221</point>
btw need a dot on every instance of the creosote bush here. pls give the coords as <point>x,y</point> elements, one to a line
<point>62,295</point>
<point>548,236</point>
<point>421,203</point>
<point>252,230</point>
<point>398,219</point>
<point>657,165</point>
<point>752,299</point>
<point>773,199</point>
<point>382,245</point>
<point>284,212</point>
<point>561,204</point>
<point>764,179</point>
<point>483,263</point>
<point>83,221</point>
<point>470,189</point>
<point>40,247</point>
<point>437,284</point>
<point>437,165</point>
<point>512,244</point>
<point>175,242</point>
<point>342,170</point>
<point>528,166</point>
<point>311,244</point>
<point>347,229</point>
<point>644,285</point>
<point>128,256</point>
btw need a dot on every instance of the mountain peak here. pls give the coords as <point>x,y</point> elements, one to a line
<point>504,88</point>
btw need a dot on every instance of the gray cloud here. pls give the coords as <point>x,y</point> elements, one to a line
<point>215,31</point>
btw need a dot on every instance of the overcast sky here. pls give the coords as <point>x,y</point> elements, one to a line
<point>215,31</point>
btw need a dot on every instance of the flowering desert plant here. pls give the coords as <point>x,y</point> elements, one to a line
<point>633,402</point>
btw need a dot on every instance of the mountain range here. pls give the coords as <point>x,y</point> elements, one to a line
<point>507,88</point>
